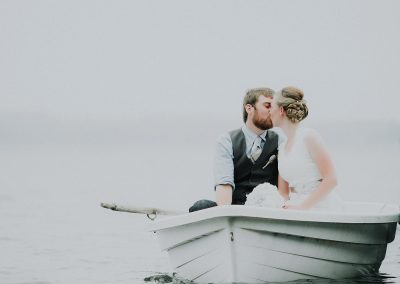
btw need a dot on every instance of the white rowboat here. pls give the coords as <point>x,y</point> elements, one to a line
<point>255,245</point>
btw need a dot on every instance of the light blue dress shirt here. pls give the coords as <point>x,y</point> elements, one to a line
<point>223,158</point>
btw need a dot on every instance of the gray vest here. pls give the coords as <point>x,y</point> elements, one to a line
<point>248,175</point>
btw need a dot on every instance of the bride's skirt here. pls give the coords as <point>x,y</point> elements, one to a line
<point>267,195</point>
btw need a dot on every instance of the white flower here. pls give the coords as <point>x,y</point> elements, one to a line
<point>265,195</point>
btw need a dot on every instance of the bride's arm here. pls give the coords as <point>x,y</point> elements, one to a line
<point>320,154</point>
<point>283,188</point>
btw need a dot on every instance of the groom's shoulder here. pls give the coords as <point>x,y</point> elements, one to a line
<point>228,136</point>
<point>236,132</point>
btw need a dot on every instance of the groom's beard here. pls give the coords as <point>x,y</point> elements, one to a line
<point>261,123</point>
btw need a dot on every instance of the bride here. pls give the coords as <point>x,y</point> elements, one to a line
<point>307,177</point>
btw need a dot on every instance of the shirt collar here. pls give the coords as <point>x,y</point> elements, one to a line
<point>253,135</point>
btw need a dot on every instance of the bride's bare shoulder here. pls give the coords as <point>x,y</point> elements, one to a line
<point>312,137</point>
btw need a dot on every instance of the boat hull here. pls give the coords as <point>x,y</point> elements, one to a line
<point>237,245</point>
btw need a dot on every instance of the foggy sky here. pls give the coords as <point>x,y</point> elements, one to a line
<point>129,59</point>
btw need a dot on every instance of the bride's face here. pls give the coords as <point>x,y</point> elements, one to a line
<point>275,113</point>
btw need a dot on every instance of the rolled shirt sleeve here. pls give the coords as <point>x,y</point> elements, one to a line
<point>223,161</point>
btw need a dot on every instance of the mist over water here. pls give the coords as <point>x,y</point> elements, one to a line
<point>56,173</point>
<point>122,101</point>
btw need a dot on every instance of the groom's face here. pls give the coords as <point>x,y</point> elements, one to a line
<point>261,116</point>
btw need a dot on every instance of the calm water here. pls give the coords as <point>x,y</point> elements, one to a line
<point>52,229</point>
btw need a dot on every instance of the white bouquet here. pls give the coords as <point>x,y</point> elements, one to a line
<point>265,195</point>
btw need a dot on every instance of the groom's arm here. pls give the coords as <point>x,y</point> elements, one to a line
<point>224,194</point>
<point>223,170</point>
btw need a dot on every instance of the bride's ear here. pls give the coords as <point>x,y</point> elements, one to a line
<point>281,110</point>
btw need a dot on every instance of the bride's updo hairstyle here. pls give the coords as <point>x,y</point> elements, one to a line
<point>291,99</point>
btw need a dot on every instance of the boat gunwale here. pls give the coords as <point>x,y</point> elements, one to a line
<point>391,214</point>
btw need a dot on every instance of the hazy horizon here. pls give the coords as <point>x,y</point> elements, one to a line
<point>124,60</point>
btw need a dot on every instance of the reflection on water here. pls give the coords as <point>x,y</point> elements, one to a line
<point>375,278</point>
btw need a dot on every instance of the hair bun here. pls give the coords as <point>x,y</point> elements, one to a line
<point>293,93</point>
<point>297,111</point>
<point>293,103</point>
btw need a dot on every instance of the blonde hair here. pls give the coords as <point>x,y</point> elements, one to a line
<point>291,99</point>
<point>252,96</point>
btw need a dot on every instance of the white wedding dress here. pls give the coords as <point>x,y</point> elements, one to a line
<point>301,172</point>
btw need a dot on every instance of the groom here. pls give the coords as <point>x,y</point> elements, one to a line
<point>245,157</point>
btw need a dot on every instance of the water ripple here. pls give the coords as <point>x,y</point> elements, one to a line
<point>372,278</point>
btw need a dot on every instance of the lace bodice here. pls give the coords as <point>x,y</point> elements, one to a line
<point>296,166</point>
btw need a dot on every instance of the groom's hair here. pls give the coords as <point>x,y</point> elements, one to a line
<point>252,96</point>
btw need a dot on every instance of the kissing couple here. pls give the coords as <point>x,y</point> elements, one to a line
<point>272,160</point>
